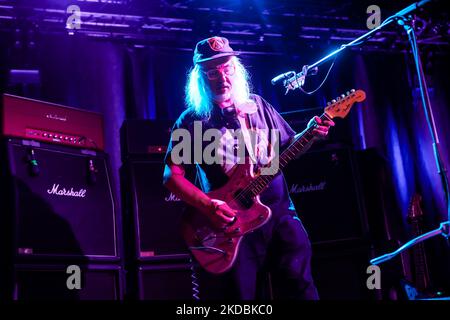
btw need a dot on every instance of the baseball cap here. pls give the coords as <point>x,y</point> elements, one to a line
<point>212,48</point>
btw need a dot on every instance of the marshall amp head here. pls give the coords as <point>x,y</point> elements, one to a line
<point>52,123</point>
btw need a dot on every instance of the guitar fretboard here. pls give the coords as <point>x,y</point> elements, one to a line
<point>297,147</point>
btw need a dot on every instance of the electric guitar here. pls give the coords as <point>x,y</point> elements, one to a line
<point>421,275</point>
<point>419,287</point>
<point>421,278</point>
<point>216,249</point>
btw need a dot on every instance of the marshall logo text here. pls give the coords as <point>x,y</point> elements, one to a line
<point>172,197</point>
<point>55,117</point>
<point>295,188</point>
<point>66,192</point>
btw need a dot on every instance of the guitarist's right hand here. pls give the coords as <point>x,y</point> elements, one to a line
<point>221,214</point>
<point>218,211</point>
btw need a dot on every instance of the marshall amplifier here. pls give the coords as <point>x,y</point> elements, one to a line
<point>152,216</point>
<point>60,202</point>
<point>324,188</point>
<point>68,282</point>
<point>167,281</point>
<point>340,273</point>
<point>144,139</point>
<point>52,123</point>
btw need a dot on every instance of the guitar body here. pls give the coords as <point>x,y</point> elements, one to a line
<point>216,249</point>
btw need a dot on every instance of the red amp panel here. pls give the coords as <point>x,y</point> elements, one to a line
<point>44,121</point>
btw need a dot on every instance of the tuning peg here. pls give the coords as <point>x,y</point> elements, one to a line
<point>353,90</point>
<point>333,101</point>
<point>348,92</point>
<point>342,96</point>
<point>338,98</point>
<point>328,103</point>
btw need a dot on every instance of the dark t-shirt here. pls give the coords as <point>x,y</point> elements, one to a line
<point>212,176</point>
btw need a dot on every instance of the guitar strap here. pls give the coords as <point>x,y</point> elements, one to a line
<point>245,125</point>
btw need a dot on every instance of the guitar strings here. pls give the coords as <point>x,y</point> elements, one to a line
<point>247,192</point>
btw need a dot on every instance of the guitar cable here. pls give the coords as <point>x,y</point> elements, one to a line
<point>194,281</point>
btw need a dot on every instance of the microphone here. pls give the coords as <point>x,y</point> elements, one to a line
<point>283,76</point>
<point>298,80</point>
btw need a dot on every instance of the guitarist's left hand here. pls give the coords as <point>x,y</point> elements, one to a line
<point>322,126</point>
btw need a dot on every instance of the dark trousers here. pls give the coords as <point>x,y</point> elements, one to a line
<point>274,262</point>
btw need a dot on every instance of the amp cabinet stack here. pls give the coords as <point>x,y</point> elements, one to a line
<point>60,227</point>
<point>326,190</point>
<point>157,260</point>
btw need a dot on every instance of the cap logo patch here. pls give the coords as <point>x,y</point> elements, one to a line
<point>216,43</point>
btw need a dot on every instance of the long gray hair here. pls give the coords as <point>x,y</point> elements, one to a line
<point>198,94</point>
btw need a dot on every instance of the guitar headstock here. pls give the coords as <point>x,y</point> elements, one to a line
<point>340,107</point>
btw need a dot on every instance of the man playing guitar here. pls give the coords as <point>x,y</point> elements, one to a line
<point>218,97</point>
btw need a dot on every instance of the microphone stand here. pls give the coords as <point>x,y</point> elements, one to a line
<point>444,227</point>
<point>299,79</point>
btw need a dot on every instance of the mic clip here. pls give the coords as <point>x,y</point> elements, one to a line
<point>298,80</point>
<point>283,76</point>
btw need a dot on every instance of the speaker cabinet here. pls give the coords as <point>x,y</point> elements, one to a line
<point>142,138</point>
<point>60,203</point>
<point>341,273</point>
<point>324,188</point>
<point>50,282</point>
<point>166,281</point>
<point>153,213</point>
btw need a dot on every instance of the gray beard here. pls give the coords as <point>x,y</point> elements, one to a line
<point>222,97</point>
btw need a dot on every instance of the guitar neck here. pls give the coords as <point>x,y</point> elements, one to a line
<point>298,146</point>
